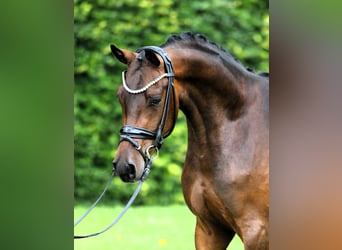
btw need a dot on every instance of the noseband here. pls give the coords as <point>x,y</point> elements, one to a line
<point>129,133</point>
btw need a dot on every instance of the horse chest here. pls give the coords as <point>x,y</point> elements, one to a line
<point>218,187</point>
<point>204,201</point>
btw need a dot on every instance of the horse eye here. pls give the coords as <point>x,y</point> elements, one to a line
<point>155,101</point>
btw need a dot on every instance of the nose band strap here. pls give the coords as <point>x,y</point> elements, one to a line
<point>138,133</point>
<point>127,133</point>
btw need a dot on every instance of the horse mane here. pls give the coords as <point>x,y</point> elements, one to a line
<point>201,40</point>
<point>189,36</point>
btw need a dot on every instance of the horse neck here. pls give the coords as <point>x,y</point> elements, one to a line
<point>211,93</point>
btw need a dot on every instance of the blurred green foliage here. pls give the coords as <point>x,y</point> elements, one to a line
<point>240,27</point>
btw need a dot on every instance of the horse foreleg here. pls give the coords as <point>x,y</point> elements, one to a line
<point>255,237</point>
<point>209,236</point>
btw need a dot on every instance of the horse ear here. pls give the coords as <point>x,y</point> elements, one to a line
<point>124,56</point>
<point>152,57</point>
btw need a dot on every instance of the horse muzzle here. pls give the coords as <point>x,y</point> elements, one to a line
<point>128,164</point>
<point>126,171</point>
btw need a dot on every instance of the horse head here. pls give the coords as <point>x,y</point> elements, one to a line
<point>149,108</point>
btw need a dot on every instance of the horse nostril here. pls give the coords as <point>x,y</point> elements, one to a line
<point>131,171</point>
<point>125,170</point>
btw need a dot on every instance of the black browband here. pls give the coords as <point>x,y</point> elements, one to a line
<point>128,132</point>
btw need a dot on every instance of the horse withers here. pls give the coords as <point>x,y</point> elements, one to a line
<point>225,178</point>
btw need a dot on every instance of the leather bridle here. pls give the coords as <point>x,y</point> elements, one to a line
<point>130,133</point>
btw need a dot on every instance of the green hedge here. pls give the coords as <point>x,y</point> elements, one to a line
<point>240,27</point>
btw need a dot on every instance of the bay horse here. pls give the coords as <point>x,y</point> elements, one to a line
<point>225,178</point>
